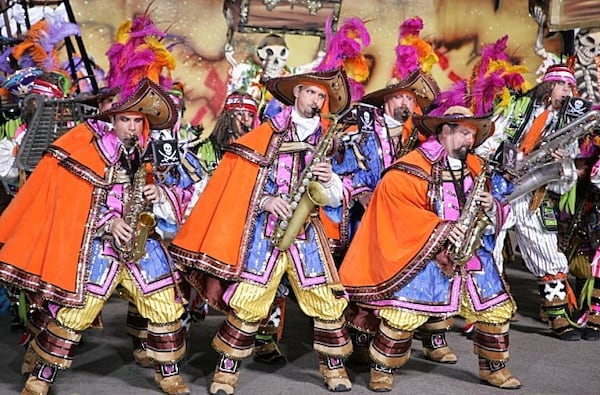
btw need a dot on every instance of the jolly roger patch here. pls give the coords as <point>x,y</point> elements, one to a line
<point>166,152</point>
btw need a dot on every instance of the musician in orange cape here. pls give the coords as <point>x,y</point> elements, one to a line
<point>227,239</point>
<point>404,265</point>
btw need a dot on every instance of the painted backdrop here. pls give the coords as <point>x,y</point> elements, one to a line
<point>198,31</point>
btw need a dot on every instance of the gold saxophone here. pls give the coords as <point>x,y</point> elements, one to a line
<point>473,219</point>
<point>410,144</point>
<point>308,193</point>
<point>139,217</point>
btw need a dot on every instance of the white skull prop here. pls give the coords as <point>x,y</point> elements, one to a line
<point>273,53</point>
<point>588,46</point>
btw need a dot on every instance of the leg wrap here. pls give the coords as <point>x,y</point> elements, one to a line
<point>491,341</point>
<point>55,345</point>
<point>235,338</point>
<point>167,369</point>
<point>390,347</point>
<point>332,338</point>
<point>137,326</point>
<point>38,320</point>
<point>554,292</point>
<point>594,312</point>
<point>166,343</point>
<point>433,332</point>
<point>44,372</point>
<point>274,324</point>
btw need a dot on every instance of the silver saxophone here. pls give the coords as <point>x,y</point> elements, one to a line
<point>473,219</point>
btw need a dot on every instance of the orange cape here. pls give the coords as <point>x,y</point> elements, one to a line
<point>212,237</point>
<point>42,231</point>
<point>399,232</point>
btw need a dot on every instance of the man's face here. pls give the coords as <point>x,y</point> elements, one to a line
<point>128,127</point>
<point>560,91</point>
<point>400,105</point>
<point>309,100</point>
<point>244,119</point>
<point>458,139</point>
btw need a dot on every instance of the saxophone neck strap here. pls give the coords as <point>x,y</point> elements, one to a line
<point>459,183</point>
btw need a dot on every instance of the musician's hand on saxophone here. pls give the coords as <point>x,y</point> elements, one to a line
<point>485,200</point>
<point>322,172</point>
<point>457,234</point>
<point>120,230</point>
<point>277,206</point>
<point>152,193</point>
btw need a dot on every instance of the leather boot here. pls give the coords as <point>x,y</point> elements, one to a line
<point>140,355</point>
<point>334,374</point>
<point>169,380</point>
<point>40,379</point>
<point>225,377</point>
<point>29,360</point>
<point>35,386</point>
<point>382,379</point>
<point>436,349</point>
<point>496,374</point>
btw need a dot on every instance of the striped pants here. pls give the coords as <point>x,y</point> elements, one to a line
<point>55,344</point>
<point>539,247</point>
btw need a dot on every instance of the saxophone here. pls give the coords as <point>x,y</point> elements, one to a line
<point>139,217</point>
<point>473,219</point>
<point>307,193</point>
<point>413,137</point>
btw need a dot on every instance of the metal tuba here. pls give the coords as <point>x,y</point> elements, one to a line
<point>559,139</point>
<point>308,192</point>
<point>543,175</point>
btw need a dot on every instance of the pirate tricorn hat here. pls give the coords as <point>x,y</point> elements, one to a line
<point>421,84</point>
<point>428,125</point>
<point>148,99</point>
<point>333,81</point>
<point>140,66</point>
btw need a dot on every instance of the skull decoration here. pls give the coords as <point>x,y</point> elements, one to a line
<point>272,52</point>
<point>587,47</point>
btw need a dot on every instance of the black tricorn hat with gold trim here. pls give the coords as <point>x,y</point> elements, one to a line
<point>333,81</point>
<point>148,99</point>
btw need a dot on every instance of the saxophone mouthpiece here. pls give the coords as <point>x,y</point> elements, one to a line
<point>130,141</point>
<point>401,114</point>
<point>315,111</point>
